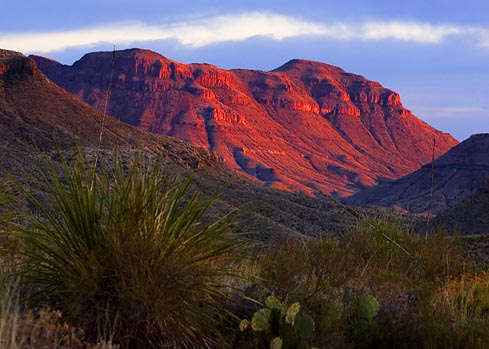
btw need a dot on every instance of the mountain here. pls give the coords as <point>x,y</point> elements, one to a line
<point>34,112</point>
<point>457,174</point>
<point>469,216</point>
<point>305,126</point>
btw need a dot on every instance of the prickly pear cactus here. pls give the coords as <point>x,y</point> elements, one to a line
<point>283,326</point>
<point>289,335</point>
<point>244,325</point>
<point>364,328</point>
<point>302,344</point>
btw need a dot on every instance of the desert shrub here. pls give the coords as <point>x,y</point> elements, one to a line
<point>44,328</point>
<point>127,245</point>
<point>19,329</point>
<point>381,258</point>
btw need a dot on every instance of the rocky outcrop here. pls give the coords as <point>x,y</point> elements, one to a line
<point>456,175</point>
<point>307,126</point>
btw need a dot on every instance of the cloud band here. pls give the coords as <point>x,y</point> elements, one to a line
<point>237,27</point>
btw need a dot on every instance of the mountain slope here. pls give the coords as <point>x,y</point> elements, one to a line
<point>33,110</point>
<point>456,175</point>
<point>305,126</point>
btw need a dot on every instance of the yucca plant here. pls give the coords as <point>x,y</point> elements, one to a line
<point>126,244</point>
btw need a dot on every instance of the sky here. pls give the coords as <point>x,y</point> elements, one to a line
<point>434,53</point>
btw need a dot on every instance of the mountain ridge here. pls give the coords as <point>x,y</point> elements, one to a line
<point>305,126</point>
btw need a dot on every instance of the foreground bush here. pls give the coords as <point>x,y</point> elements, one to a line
<point>127,246</point>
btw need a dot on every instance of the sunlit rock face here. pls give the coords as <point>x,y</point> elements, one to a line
<point>305,126</point>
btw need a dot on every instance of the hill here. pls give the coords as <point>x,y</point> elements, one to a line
<point>305,126</point>
<point>457,174</point>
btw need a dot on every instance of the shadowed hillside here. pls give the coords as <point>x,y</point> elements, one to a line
<point>456,175</point>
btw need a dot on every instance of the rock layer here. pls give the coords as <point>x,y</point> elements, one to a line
<point>305,126</point>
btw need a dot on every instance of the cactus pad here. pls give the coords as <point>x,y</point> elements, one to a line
<point>273,302</point>
<point>292,312</point>
<point>244,325</point>
<point>261,320</point>
<point>302,344</point>
<point>305,326</point>
<point>276,343</point>
<point>367,307</point>
<point>289,335</point>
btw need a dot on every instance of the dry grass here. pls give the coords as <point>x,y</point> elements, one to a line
<point>458,313</point>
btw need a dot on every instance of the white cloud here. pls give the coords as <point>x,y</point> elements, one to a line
<point>409,31</point>
<point>244,26</point>
<point>236,27</point>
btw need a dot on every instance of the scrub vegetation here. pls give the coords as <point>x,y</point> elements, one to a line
<point>118,254</point>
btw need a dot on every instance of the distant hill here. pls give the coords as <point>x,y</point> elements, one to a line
<point>305,126</point>
<point>457,174</point>
<point>34,112</point>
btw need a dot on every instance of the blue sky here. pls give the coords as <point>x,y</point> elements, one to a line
<point>434,53</point>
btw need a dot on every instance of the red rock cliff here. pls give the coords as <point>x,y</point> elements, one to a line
<point>305,126</point>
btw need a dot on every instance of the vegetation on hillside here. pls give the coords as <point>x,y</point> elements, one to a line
<point>125,256</point>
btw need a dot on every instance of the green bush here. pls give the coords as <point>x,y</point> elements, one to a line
<point>128,246</point>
